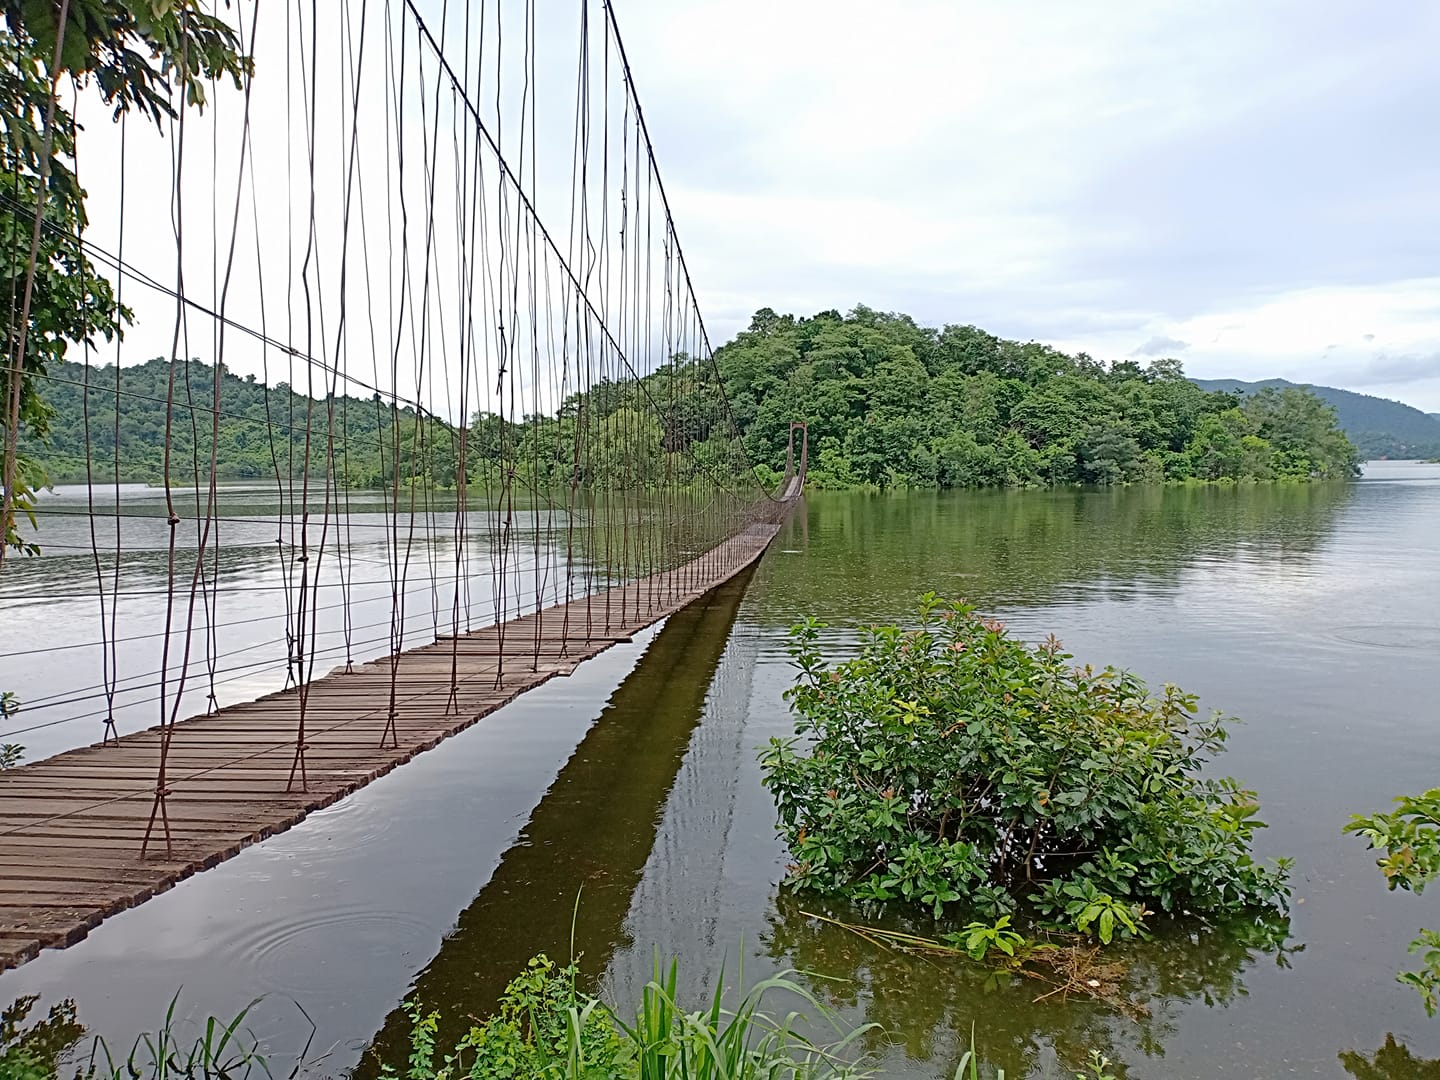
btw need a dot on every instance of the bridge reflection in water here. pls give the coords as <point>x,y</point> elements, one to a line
<point>588,838</point>
<point>551,407</point>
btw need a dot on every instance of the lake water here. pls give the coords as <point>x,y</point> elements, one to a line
<point>1312,612</point>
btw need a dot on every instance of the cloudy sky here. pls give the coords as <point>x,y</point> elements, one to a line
<point>1254,188</point>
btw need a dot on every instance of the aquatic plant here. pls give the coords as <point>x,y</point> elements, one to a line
<point>545,1026</point>
<point>952,765</point>
<point>222,1050</point>
<point>1410,838</point>
<point>46,1049</point>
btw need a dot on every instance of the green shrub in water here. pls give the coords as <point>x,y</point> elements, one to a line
<point>1409,836</point>
<point>952,764</point>
<point>546,1027</point>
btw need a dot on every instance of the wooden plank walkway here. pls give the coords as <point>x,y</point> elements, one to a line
<point>71,826</point>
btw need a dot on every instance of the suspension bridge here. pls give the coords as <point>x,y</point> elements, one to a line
<point>492,418</point>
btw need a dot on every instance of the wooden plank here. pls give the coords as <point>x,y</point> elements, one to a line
<point>71,827</point>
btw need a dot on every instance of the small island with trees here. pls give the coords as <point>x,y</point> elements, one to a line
<point>891,403</point>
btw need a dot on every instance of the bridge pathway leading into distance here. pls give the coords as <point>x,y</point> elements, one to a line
<point>75,824</point>
<point>417,279</point>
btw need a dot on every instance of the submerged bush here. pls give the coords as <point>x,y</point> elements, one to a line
<point>952,764</point>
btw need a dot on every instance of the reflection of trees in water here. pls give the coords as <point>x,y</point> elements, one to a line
<point>1393,1061</point>
<point>1021,547</point>
<point>588,838</point>
<point>928,1007</point>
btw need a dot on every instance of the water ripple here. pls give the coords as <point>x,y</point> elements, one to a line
<point>300,953</point>
<point>1391,635</point>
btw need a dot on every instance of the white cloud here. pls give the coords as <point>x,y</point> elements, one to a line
<point>1378,337</point>
<point>1160,345</point>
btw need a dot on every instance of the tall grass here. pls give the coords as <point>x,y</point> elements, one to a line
<point>545,1027</point>
<point>52,1047</point>
<point>221,1051</point>
<point>719,1044</point>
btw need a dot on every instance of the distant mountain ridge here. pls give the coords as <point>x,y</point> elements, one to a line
<point>1379,427</point>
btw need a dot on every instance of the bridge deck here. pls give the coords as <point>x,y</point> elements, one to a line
<point>71,826</point>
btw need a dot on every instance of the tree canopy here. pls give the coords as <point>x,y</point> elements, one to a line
<point>1379,427</point>
<point>636,435</point>
<point>891,403</point>
<point>888,403</point>
<point>953,764</point>
<point>262,429</point>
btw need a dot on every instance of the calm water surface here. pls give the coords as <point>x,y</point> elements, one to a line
<point>1311,612</point>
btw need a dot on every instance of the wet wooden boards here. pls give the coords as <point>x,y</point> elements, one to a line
<point>72,826</point>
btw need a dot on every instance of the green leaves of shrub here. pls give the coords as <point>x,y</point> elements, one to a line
<point>1104,914</point>
<point>543,1027</point>
<point>1409,836</point>
<point>10,753</point>
<point>1080,906</point>
<point>979,939</point>
<point>1427,980</point>
<point>951,764</point>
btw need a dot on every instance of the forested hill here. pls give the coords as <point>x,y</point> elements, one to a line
<point>892,403</point>
<point>260,431</point>
<point>1378,426</point>
<point>889,403</point>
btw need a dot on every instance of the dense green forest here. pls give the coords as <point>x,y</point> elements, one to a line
<point>668,430</point>
<point>894,404</point>
<point>259,431</point>
<point>1381,428</point>
<point>889,404</point>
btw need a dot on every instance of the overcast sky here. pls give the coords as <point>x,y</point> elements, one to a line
<point>1254,188</point>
